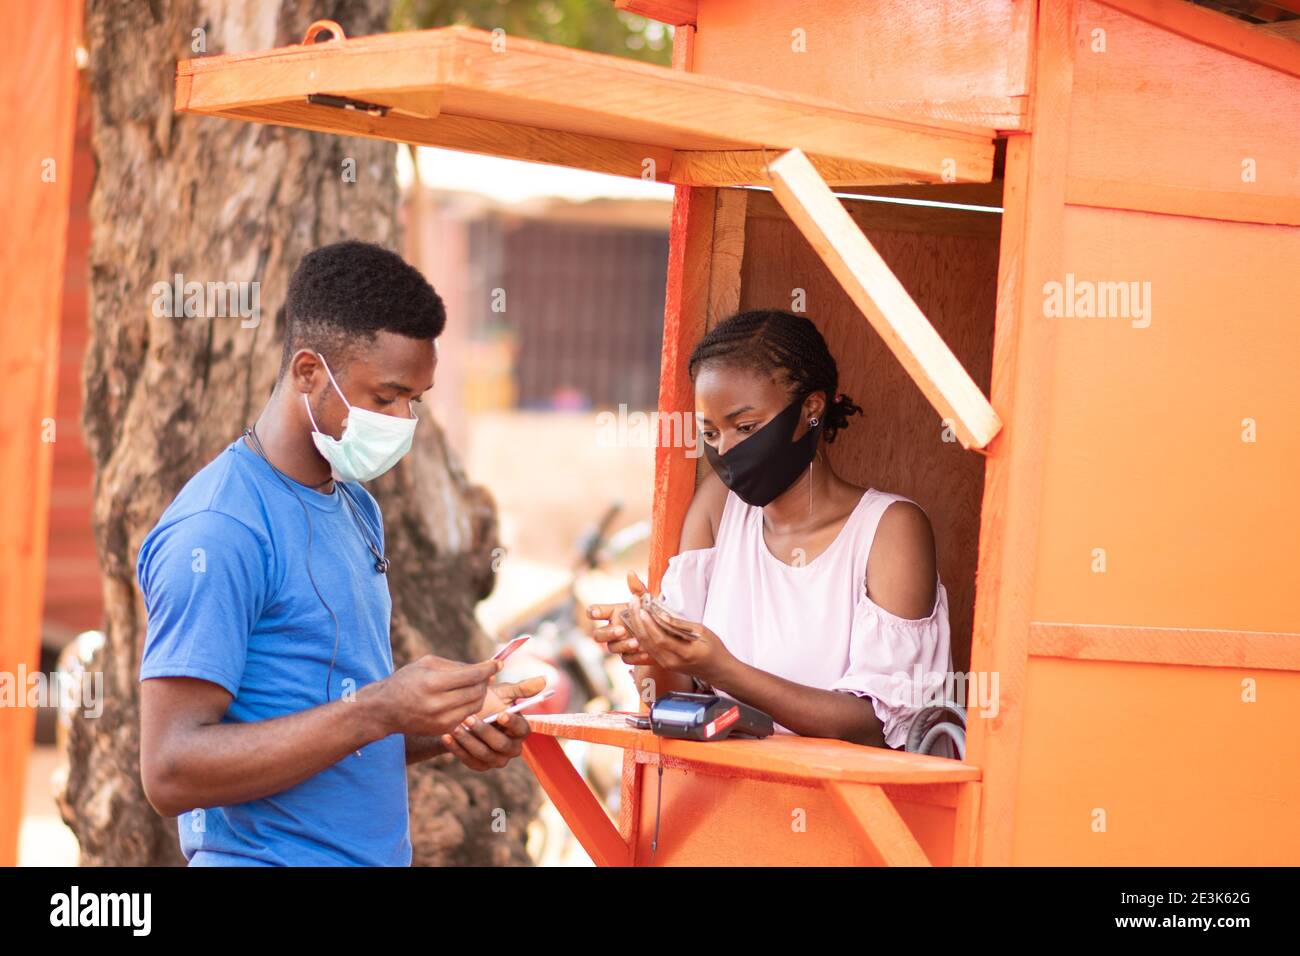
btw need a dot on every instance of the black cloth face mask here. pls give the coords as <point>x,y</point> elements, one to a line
<point>766,463</point>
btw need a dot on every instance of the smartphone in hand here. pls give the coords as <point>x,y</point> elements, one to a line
<point>508,649</point>
<point>517,706</point>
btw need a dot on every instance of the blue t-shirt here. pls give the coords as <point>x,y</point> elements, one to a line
<point>227,579</point>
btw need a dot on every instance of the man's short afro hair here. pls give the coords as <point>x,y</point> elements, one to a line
<point>342,294</point>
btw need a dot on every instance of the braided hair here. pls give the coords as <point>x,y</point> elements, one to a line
<point>770,341</point>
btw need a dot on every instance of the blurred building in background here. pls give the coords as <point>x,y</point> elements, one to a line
<point>553,305</point>
<point>554,289</point>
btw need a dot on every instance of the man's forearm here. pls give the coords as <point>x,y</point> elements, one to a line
<point>808,711</point>
<point>222,764</point>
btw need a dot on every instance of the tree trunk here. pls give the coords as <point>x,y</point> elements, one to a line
<point>224,201</point>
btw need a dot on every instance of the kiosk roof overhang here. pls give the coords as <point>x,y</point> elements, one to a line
<point>480,92</point>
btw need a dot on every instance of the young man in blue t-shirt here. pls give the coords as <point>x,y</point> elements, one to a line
<point>272,721</point>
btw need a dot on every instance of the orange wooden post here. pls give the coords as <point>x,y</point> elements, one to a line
<point>38,96</point>
<point>690,240</point>
<point>1022,350</point>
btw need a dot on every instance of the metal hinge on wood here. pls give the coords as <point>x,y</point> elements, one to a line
<point>347,103</point>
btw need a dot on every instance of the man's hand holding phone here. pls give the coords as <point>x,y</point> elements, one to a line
<point>489,738</point>
<point>483,744</point>
<point>436,697</point>
<point>429,696</point>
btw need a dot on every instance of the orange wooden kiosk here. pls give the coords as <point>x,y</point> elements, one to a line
<point>1082,364</point>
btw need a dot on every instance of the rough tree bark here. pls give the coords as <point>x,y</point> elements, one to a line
<point>215,200</point>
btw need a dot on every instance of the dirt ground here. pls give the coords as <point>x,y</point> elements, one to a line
<point>43,839</point>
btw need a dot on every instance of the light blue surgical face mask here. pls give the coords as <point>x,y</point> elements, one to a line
<point>371,444</point>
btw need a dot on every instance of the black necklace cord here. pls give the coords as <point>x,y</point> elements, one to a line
<point>381,562</point>
<point>251,433</point>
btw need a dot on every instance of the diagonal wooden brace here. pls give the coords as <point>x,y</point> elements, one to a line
<point>575,801</point>
<point>874,289</point>
<point>869,808</point>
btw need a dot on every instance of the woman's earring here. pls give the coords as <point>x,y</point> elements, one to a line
<point>812,423</point>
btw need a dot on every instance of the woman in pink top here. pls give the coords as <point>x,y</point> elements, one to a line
<point>810,598</point>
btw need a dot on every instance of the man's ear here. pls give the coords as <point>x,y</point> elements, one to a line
<point>305,371</point>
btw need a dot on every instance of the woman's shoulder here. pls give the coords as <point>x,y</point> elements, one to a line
<point>902,564</point>
<point>883,513</point>
<point>903,523</point>
<point>704,516</point>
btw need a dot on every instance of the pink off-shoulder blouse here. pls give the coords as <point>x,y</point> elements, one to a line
<point>812,622</point>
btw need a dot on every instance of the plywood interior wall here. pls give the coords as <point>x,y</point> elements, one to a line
<point>947,260</point>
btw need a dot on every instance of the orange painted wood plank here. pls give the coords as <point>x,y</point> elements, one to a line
<point>1126,764</point>
<point>708,819</point>
<point>965,838</point>
<point>690,241</point>
<point>575,801</point>
<point>1020,55</point>
<point>1224,204</point>
<point>1200,647</point>
<point>629,806</point>
<point>487,137</point>
<point>781,755</point>
<point>958,61</point>
<point>541,86</point>
<point>1169,476</point>
<point>715,819</point>
<point>684,48</point>
<point>740,167</point>
<point>38,97</point>
<point>690,245</point>
<point>1034,204</point>
<point>1165,122</point>
<point>675,12</point>
<point>1215,29</point>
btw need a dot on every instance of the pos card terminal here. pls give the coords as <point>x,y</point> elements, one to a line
<point>698,717</point>
<point>704,717</point>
